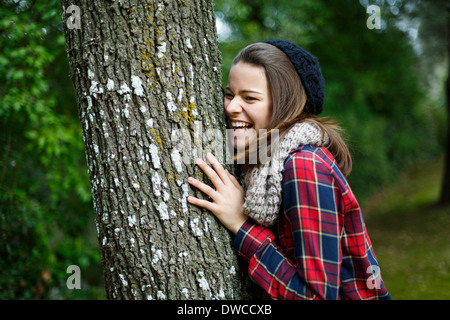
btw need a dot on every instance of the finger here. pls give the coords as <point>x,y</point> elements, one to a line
<point>202,187</point>
<point>234,180</point>
<point>210,173</point>
<point>218,167</point>
<point>201,203</point>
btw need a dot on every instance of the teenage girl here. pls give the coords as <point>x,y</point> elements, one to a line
<point>295,219</point>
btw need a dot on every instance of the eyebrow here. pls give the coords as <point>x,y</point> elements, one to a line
<point>245,91</point>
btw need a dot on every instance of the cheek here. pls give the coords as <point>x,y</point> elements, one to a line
<point>225,106</point>
<point>268,115</point>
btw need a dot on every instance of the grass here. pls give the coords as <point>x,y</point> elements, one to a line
<point>410,234</point>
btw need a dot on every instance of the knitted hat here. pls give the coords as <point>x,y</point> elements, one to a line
<point>308,69</point>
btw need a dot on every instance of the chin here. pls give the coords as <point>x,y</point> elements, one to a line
<point>243,140</point>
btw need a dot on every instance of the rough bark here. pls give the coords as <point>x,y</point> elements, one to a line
<point>144,71</point>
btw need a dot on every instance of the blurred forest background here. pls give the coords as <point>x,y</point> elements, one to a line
<point>386,85</point>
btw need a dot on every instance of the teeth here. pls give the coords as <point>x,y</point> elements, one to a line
<point>240,124</point>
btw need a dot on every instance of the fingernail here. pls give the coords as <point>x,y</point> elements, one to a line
<point>211,158</point>
<point>198,161</point>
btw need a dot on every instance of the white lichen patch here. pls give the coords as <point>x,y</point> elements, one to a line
<point>110,85</point>
<point>89,101</point>
<point>184,196</point>
<point>160,295</point>
<point>188,43</point>
<point>105,130</point>
<point>202,281</point>
<point>156,183</point>
<point>195,227</point>
<point>166,198</point>
<point>156,254</point>
<point>126,112</point>
<point>136,83</point>
<point>161,50</point>
<point>221,294</point>
<point>155,157</point>
<point>180,94</point>
<point>191,74</point>
<point>136,185</point>
<point>232,270</point>
<point>131,221</point>
<point>163,212</point>
<point>185,291</point>
<point>124,89</point>
<point>170,103</point>
<point>94,90</point>
<point>206,227</point>
<point>176,158</point>
<point>91,74</point>
<point>124,282</point>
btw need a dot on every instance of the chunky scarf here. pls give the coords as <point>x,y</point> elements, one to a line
<point>263,182</point>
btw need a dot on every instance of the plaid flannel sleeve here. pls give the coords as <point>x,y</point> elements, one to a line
<point>310,208</point>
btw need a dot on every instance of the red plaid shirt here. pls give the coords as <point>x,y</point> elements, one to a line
<point>322,250</point>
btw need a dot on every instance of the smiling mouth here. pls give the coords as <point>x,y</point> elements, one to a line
<point>240,126</point>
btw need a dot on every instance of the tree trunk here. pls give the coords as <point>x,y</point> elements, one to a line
<point>144,72</point>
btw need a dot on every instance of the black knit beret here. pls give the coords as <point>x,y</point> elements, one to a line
<point>308,69</point>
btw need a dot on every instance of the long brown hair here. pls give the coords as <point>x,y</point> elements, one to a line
<point>289,99</point>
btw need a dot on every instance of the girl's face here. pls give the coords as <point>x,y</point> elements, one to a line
<point>248,102</point>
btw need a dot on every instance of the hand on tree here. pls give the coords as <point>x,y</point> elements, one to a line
<point>228,197</point>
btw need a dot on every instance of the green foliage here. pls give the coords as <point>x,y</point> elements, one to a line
<point>46,216</point>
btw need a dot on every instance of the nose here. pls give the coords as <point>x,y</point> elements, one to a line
<point>233,106</point>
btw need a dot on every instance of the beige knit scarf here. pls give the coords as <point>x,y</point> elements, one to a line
<point>263,182</point>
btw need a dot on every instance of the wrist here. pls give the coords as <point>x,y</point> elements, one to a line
<point>235,228</point>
